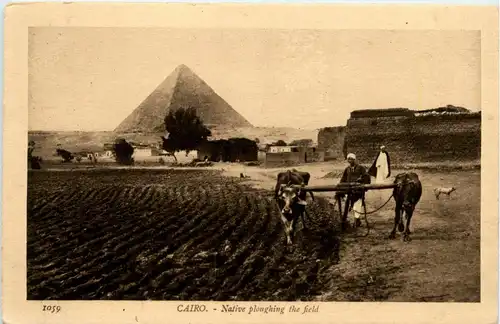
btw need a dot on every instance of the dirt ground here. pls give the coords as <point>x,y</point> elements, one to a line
<point>189,234</point>
<point>442,263</point>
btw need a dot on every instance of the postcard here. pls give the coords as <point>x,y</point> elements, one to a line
<point>244,163</point>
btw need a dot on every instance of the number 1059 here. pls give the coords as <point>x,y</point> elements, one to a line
<point>51,308</point>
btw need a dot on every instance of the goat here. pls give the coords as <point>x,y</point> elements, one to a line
<point>445,191</point>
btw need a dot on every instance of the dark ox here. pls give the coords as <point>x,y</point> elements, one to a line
<point>407,195</point>
<point>65,155</point>
<point>289,199</point>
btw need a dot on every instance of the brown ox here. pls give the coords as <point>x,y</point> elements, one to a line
<point>291,200</point>
<point>407,195</point>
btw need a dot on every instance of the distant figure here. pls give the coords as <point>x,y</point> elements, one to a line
<point>381,167</point>
<point>353,173</point>
<point>31,148</point>
<point>35,162</point>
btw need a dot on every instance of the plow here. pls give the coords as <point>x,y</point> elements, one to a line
<point>349,189</point>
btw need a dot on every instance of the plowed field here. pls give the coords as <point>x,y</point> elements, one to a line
<point>198,235</point>
<point>169,235</point>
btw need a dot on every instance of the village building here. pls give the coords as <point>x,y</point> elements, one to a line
<point>229,150</point>
<point>292,155</point>
<point>282,149</point>
<point>108,150</point>
<point>141,150</point>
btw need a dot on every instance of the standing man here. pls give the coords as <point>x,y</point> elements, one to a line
<point>381,167</point>
<point>353,173</point>
<point>31,148</point>
<point>33,161</point>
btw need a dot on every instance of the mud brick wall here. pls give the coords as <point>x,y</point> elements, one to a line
<point>448,137</point>
<point>284,158</point>
<point>331,141</point>
<point>416,139</point>
<point>364,136</point>
<point>318,156</point>
<point>388,112</point>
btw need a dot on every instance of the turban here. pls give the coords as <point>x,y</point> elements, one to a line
<point>382,147</point>
<point>351,155</point>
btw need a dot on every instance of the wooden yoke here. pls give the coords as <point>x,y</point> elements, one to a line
<point>347,187</point>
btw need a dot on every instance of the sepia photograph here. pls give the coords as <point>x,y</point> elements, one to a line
<point>168,174</point>
<point>254,166</point>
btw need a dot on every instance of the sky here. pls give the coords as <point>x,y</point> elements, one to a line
<point>90,79</point>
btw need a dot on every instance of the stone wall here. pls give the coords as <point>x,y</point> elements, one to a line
<point>446,137</point>
<point>331,141</point>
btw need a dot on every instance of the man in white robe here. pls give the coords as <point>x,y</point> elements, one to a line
<point>381,167</point>
<point>381,171</point>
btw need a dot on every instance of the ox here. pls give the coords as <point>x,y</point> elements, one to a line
<point>406,194</point>
<point>291,200</point>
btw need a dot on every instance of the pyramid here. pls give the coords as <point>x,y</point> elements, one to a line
<point>181,89</point>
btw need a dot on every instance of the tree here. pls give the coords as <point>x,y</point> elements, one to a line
<point>168,146</point>
<point>302,142</point>
<point>123,152</point>
<point>279,143</point>
<point>186,131</point>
